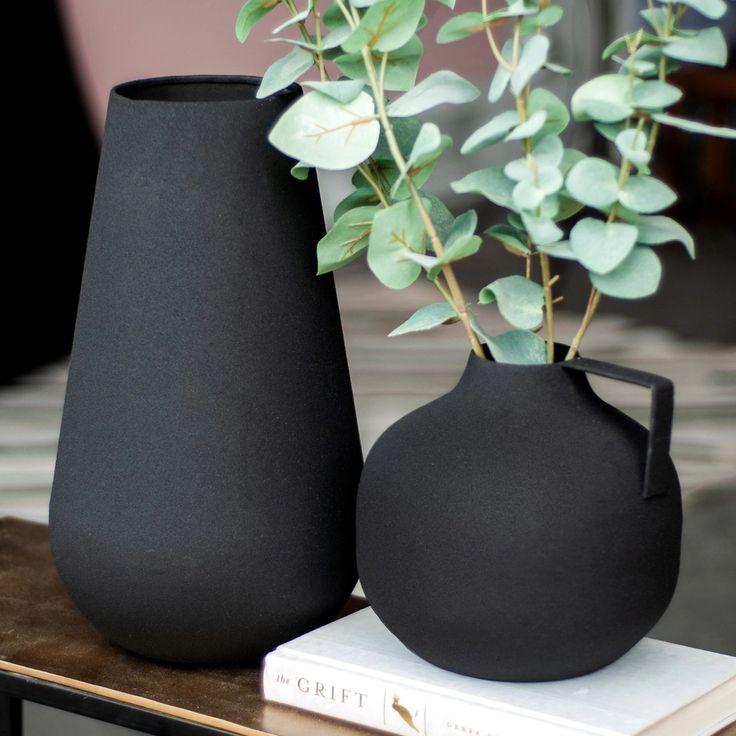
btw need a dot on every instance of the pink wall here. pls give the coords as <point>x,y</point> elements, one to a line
<point>115,41</point>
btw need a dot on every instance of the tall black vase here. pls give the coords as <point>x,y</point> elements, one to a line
<point>204,496</point>
<point>520,528</point>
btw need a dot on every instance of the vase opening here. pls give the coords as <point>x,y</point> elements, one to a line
<point>561,351</point>
<point>194,89</point>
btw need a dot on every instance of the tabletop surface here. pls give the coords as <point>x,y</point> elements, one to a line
<point>44,637</point>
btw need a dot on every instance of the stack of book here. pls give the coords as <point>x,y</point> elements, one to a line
<point>354,669</point>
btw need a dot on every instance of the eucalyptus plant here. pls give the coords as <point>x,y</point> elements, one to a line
<point>363,114</point>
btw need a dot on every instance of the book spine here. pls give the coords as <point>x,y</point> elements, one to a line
<point>390,705</point>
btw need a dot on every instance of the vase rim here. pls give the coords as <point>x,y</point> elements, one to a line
<point>561,351</point>
<point>195,89</point>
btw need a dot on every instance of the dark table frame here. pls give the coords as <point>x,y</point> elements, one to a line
<point>14,688</point>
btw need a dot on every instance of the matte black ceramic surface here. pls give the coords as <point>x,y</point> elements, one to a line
<point>519,528</point>
<point>203,503</point>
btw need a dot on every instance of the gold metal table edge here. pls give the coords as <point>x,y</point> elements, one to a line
<point>133,700</point>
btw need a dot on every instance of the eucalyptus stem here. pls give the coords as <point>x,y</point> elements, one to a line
<point>492,39</point>
<point>522,107</point>
<point>368,176</point>
<point>664,33</point>
<point>593,301</point>
<point>457,299</point>
<point>318,36</point>
<point>549,301</point>
<point>595,296</point>
<point>348,17</point>
<point>318,57</point>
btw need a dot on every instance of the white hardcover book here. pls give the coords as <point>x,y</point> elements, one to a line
<point>355,670</point>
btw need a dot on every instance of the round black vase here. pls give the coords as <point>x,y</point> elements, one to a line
<point>203,503</point>
<point>520,528</point>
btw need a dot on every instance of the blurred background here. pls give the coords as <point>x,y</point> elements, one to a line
<point>687,331</point>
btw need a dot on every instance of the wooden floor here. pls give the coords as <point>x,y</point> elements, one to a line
<point>392,376</point>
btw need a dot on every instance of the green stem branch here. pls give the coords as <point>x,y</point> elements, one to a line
<point>458,300</point>
<point>593,301</point>
<point>549,301</point>
<point>368,176</point>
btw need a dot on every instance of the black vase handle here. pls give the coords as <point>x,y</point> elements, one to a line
<point>660,423</point>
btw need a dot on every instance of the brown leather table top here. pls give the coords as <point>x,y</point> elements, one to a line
<point>42,635</point>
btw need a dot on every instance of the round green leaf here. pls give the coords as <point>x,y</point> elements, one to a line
<point>519,347</point>
<point>492,132</point>
<point>601,246</point>
<point>460,26</point>
<point>610,131</point>
<point>427,318</point>
<point>533,56</point>
<point>548,151</point>
<point>397,231</point>
<point>441,216</point>
<point>594,182</point>
<point>401,66</point>
<point>526,196</point>
<point>529,128</point>
<point>632,145</point>
<point>559,250</point>
<point>604,98</point>
<point>251,12</point>
<point>491,183</point>
<point>386,26</point>
<point>658,229</point>
<point>361,197</point>
<point>520,301</point>
<point>646,194</point>
<point>637,277</point>
<point>343,90</point>
<point>529,193</point>
<point>284,71</point>
<point>542,230</point>
<point>558,116</point>
<point>705,47</point>
<point>440,88</point>
<point>502,76</point>
<point>511,238</point>
<point>655,95</point>
<point>345,240</point>
<point>328,134</point>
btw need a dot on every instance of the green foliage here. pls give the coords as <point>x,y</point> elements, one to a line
<point>328,134</point>
<point>646,194</point>
<point>346,240</point>
<point>492,183</point>
<point>367,113</point>
<point>398,233</point>
<point>704,47</point>
<point>593,182</point>
<point>440,88</point>
<point>401,66</point>
<point>284,71</point>
<point>602,246</point>
<point>519,347</point>
<point>249,15</point>
<point>658,229</point>
<point>492,132</point>
<point>427,318</point>
<point>460,26</point>
<point>519,300</point>
<point>385,26</point>
<point>637,277</point>
<point>713,9</point>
